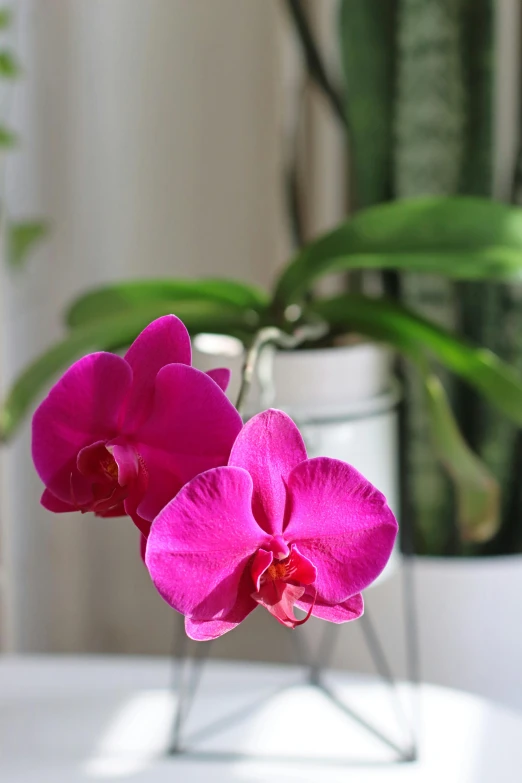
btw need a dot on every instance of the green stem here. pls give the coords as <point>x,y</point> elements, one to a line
<point>275,336</point>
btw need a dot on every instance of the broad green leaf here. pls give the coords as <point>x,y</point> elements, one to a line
<point>21,238</point>
<point>457,237</point>
<point>8,139</point>
<point>477,490</point>
<point>418,338</point>
<point>124,297</point>
<point>9,68</point>
<point>111,333</point>
<point>5,18</point>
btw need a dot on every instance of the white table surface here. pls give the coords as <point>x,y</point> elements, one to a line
<point>70,719</point>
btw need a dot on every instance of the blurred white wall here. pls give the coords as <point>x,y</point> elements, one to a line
<point>151,137</point>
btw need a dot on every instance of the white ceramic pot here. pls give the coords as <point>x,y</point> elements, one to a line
<point>344,400</point>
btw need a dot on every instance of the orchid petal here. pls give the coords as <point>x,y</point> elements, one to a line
<point>269,447</point>
<point>206,630</point>
<point>143,525</point>
<point>191,429</point>
<point>115,510</point>
<point>85,406</point>
<point>340,522</point>
<point>200,544</point>
<point>127,461</point>
<point>201,629</point>
<point>262,561</point>
<point>164,341</point>
<point>143,546</point>
<point>130,506</point>
<point>132,501</point>
<point>52,503</point>
<point>163,481</point>
<point>340,613</point>
<point>221,375</point>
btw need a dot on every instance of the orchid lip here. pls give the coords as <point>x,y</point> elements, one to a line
<point>280,583</point>
<point>111,468</point>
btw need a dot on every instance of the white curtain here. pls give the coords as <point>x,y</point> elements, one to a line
<point>151,141</point>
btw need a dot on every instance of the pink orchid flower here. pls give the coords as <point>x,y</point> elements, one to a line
<point>123,435</point>
<point>272,528</point>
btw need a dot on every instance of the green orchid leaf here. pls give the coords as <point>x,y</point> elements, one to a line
<point>458,237</point>
<point>127,296</point>
<point>9,68</point>
<point>21,238</point>
<point>477,490</point>
<point>5,18</point>
<point>113,333</point>
<point>8,139</point>
<point>419,339</point>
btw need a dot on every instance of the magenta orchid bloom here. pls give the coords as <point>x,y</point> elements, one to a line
<point>272,528</point>
<point>123,435</point>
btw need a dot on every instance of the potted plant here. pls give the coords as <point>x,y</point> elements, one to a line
<point>422,112</point>
<point>454,237</point>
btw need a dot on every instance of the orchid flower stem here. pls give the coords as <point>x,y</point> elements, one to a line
<point>275,336</point>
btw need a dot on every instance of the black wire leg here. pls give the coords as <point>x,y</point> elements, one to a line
<point>186,675</point>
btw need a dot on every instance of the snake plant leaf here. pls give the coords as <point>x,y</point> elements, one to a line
<point>478,51</point>
<point>430,102</point>
<point>21,238</point>
<point>112,333</point>
<point>457,237</point>
<point>477,490</point>
<point>129,295</point>
<point>367,44</point>
<point>480,305</point>
<point>419,339</point>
